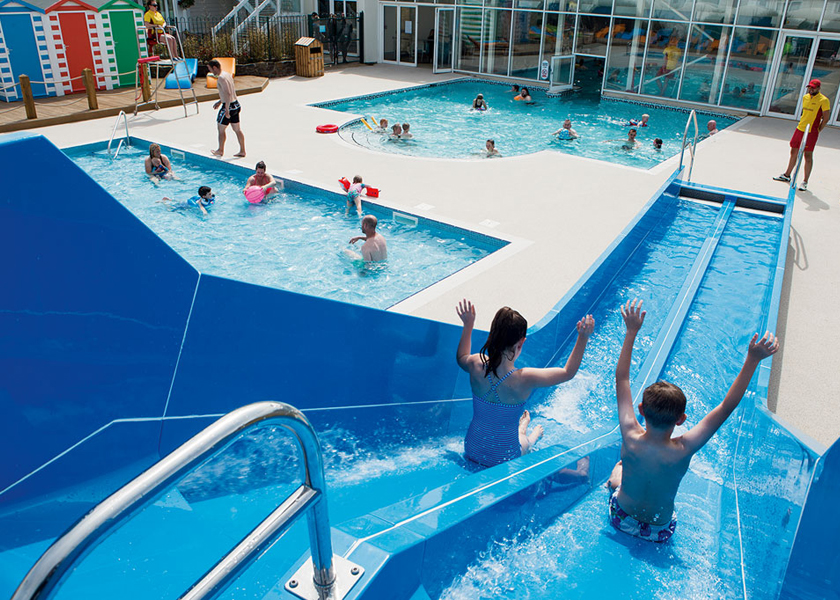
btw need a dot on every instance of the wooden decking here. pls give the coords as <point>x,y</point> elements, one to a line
<point>68,109</point>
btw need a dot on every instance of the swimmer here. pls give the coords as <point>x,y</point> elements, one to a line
<point>491,150</point>
<point>375,248</point>
<point>383,126</point>
<point>566,132</point>
<point>203,200</point>
<point>657,144</point>
<point>712,127</point>
<point>524,96</point>
<point>643,122</point>
<point>157,165</point>
<point>354,194</point>
<point>631,143</point>
<point>405,133</point>
<point>515,89</point>
<point>264,180</point>
<point>479,103</point>
<point>396,132</point>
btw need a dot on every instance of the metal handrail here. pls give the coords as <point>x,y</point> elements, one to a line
<point>114,130</point>
<point>799,156</point>
<point>58,561</point>
<point>692,117</point>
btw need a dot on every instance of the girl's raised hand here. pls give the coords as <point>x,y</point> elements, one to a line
<point>586,326</point>
<point>466,312</point>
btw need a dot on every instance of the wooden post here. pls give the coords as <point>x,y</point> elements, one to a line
<point>90,88</point>
<point>145,84</point>
<point>28,100</point>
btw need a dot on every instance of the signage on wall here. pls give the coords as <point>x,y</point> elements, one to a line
<point>544,70</point>
<point>408,27</point>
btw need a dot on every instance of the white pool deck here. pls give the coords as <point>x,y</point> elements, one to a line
<point>560,211</point>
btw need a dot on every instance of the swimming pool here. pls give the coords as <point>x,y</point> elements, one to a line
<point>444,126</point>
<point>296,243</point>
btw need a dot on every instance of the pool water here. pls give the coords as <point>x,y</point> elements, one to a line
<point>585,557</point>
<point>295,243</point>
<point>444,126</point>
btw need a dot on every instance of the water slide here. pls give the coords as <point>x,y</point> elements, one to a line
<point>404,503</point>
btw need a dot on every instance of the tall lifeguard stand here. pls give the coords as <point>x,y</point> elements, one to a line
<point>142,76</point>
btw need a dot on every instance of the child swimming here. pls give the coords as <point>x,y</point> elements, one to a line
<point>479,103</point>
<point>491,150</point>
<point>643,122</point>
<point>157,165</point>
<point>203,200</point>
<point>498,431</point>
<point>566,132</point>
<point>646,479</point>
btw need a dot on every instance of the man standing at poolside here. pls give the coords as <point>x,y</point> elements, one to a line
<point>815,112</point>
<point>229,111</point>
<point>374,249</point>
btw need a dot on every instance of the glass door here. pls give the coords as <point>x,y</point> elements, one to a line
<point>444,34</point>
<point>408,35</point>
<point>827,69</point>
<point>390,30</point>
<point>792,73</point>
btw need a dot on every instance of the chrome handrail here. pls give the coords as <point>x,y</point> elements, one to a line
<point>799,156</point>
<point>114,130</point>
<point>49,572</point>
<point>692,117</point>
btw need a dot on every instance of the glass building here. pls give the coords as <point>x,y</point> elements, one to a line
<point>748,55</point>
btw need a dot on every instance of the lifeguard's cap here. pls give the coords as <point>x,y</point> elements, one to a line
<point>815,83</point>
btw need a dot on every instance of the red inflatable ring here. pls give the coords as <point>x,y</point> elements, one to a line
<point>326,128</point>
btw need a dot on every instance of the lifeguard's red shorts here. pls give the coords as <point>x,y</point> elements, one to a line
<point>810,143</point>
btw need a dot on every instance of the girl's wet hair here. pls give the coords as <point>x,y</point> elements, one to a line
<point>507,329</point>
<point>152,148</point>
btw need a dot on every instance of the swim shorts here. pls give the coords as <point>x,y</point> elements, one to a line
<point>624,522</point>
<point>810,143</point>
<point>235,109</point>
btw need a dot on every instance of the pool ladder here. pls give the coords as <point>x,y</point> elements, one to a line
<point>126,139</point>
<point>692,147</point>
<point>323,576</point>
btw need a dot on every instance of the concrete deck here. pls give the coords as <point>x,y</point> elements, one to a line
<point>560,211</point>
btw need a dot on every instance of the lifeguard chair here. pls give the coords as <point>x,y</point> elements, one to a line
<point>142,76</point>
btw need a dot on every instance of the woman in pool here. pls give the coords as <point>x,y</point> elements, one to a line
<point>524,95</point>
<point>157,165</point>
<point>479,103</point>
<point>498,431</point>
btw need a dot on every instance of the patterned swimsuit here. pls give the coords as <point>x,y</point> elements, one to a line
<point>493,435</point>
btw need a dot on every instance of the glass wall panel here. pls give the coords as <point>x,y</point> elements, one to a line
<point>390,29</point>
<point>499,3</point>
<point>663,66</point>
<point>827,68</point>
<point>793,69</point>
<point>632,8</point>
<point>408,23</point>
<point>474,2</point>
<point>677,10</point>
<point>561,71</point>
<point>530,4</point>
<point>749,68</point>
<point>761,13</point>
<point>592,35</point>
<point>624,64</point>
<point>831,17</point>
<point>705,63</point>
<point>527,31</point>
<point>496,41</point>
<point>559,33</point>
<point>468,39</point>
<point>565,5</point>
<point>598,7</point>
<point>804,14</point>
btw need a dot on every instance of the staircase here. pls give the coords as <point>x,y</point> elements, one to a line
<point>247,14</point>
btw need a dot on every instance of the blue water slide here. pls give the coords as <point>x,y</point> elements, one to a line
<point>142,351</point>
<point>183,75</point>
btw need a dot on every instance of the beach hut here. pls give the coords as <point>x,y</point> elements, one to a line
<point>125,41</point>
<point>24,50</point>
<point>76,42</point>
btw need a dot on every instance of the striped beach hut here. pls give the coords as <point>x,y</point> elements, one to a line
<point>124,41</point>
<point>24,49</point>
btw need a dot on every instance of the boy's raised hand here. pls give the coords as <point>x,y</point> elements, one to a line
<point>633,315</point>
<point>586,326</point>
<point>761,349</point>
<point>466,312</point>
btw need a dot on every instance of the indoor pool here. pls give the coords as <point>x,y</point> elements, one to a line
<point>295,243</point>
<point>443,124</point>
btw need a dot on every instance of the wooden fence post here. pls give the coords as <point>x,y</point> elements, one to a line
<point>146,85</point>
<point>28,100</point>
<point>90,88</point>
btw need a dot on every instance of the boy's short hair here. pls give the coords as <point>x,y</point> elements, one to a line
<point>663,403</point>
<point>261,165</point>
<point>203,190</point>
<point>214,63</point>
<point>357,179</point>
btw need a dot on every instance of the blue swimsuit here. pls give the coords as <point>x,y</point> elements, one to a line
<point>493,435</point>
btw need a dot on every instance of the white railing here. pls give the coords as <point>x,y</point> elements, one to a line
<point>114,132</point>
<point>692,118</point>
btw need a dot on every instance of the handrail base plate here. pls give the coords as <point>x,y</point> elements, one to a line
<point>302,583</point>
